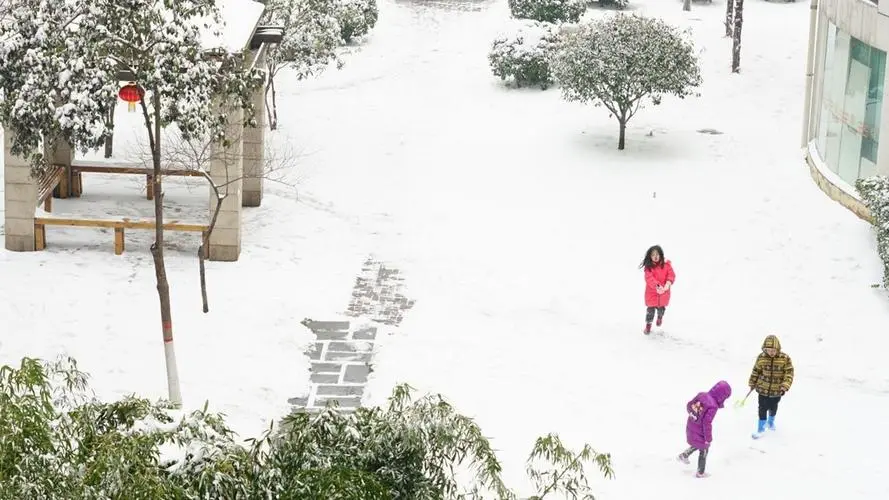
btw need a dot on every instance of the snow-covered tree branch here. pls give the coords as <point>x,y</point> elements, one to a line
<point>622,61</point>
<point>312,35</point>
<point>59,67</point>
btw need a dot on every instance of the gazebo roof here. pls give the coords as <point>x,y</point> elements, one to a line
<point>240,30</point>
<point>240,18</point>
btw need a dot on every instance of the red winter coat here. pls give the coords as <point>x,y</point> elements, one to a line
<point>658,275</point>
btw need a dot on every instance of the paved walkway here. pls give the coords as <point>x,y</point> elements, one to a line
<point>342,353</point>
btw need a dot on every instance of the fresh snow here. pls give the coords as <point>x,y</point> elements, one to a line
<point>239,20</point>
<point>518,227</point>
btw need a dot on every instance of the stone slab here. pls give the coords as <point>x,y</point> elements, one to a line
<point>331,335</point>
<point>326,367</point>
<point>316,326</point>
<point>324,378</point>
<point>363,357</point>
<point>356,374</point>
<point>344,402</point>
<point>367,333</point>
<point>339,390</point>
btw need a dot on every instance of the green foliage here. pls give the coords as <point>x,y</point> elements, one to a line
<point>58,442</point>
<point>565,473</point>
<point>524,54</point>
<point>74,49</point>
<point>621,61</point>
<point>548,11</point>
<point>356,18</point>
<point>874,192</point>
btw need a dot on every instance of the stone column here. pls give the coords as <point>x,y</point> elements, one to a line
<point>226,170</point>
<point>254,153</point>
<point>61,153</point>
<point>20,199</point>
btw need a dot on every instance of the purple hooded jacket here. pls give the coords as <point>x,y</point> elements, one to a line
<point>701,410</point>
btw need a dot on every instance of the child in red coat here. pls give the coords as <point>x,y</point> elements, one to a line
<point>659,278</point>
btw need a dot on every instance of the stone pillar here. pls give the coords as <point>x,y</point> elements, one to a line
<point>20,199</point>
<point>61,153</point>
<point>226,170</point>
<point>254,153</point>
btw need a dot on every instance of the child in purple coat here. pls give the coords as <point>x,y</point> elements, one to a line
<point>699,429</point>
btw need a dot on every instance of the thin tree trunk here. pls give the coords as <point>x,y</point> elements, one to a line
<point>729,5</point>
<point>736,36</point>
<point>621,141</point>
<point>268,106</point>
<point>157,254</point>
<point>205,244</point>
<point>273,124</point>
<point>686,5</point>
<point>109,141</point>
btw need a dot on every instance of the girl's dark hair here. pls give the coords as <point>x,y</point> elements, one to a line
<point>647,263</point>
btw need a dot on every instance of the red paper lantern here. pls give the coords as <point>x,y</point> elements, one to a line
<point>131,93</point>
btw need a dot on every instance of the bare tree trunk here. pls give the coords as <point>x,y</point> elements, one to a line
<point>621,140</point>
<point>269,107</point>
<point>273,118</point>
<point>729,5</point>
<point>205,243</point>
<point>157,253</point>
<point>686,5</point>
<point>109,141</point>
<point>736,36</point>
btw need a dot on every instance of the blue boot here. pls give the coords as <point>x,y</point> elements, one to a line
<point>771,422</point>
<point>760,428</point>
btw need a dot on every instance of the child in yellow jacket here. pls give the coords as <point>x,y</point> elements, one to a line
<point>771,378</point>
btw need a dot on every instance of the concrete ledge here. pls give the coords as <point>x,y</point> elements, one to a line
<point>837,189</point>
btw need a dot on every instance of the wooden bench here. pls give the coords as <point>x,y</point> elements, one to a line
<point>47,183</point>
<point>40,224</point>
<point>77,179</point>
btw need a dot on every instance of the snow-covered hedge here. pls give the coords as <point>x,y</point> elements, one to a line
<point>617,4</point>
<point>549,11</point>
<point>874,192</point>
<point>523,54</point>
<point>357,18</point>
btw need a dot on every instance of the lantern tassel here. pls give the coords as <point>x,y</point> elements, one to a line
<point>131,106</point>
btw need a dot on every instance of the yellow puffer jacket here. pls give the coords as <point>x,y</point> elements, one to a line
<point>772,375</point>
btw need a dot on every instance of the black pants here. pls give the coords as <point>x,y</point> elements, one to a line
<point>702,456</point>
<point>768,406</point>
<point>649,313</point>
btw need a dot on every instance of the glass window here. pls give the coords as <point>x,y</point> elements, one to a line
<point>834,100</point>
<point>851,103</point>
<point>826,81</point>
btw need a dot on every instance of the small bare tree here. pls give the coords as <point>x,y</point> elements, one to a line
<point>196,155</point>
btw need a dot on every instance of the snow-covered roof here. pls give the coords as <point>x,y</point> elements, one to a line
<point>241,18</point>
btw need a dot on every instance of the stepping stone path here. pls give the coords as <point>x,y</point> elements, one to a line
<point>341,355</point>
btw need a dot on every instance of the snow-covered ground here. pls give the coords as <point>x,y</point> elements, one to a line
<point>519,227</point>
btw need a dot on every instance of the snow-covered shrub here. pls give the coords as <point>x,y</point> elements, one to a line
<point>874,192</point>
<point>549,11</point>
<point>524,54</point>
<point>617,4</point>
<point>622,61</point>
<point>356,18</point>
<point>57,442</point>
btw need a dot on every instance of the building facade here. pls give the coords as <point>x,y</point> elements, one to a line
<point>846,129</point>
